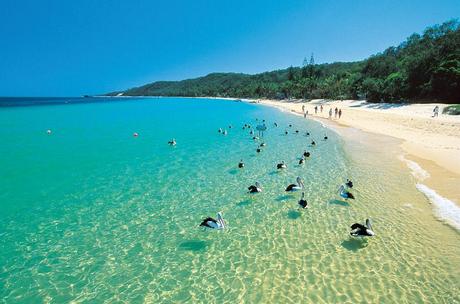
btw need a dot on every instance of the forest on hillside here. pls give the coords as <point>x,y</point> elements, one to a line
<point>425,67</point>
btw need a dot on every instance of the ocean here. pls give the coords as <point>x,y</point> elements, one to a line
<point>93,214</point>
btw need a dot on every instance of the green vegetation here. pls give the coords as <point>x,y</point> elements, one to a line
<point>452,110</point>
<point>424,67</point>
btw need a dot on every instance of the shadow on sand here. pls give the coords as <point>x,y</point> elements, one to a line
<point>283,198</point>
<point>193,245</point>
<point>354,244</point>
<point>233,171</point>
<point>294,214</point>
<point>339,202</point>
<point>380,106</point>
<point>244,203</point>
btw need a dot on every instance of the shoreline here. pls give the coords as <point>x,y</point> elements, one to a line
<point>435,139</point>
<point>436,170</point>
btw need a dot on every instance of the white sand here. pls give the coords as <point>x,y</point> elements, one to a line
<point>436,139</point>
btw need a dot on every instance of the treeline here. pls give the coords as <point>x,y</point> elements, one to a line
<point>424,67</point>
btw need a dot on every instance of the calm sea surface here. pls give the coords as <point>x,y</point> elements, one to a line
<point>92,214</point>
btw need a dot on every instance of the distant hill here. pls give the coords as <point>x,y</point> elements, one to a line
<point>424,67</point>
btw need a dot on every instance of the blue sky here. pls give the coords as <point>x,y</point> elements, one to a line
<point>70,48</point>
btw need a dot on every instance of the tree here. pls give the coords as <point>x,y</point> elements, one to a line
<point>311,66</point>
<point>446,79</point>
<point>305,68</point>
<point>290,74</point>
<point>424,66</point>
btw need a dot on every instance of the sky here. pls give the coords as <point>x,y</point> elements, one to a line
<point>72,48</point>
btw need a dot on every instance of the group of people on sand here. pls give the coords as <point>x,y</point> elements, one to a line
<point>336,112</point>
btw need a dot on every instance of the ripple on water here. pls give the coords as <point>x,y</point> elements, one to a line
<point>129,232</point>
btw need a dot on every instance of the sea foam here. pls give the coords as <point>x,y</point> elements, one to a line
<point>417,171</point>
<point>445,209</point>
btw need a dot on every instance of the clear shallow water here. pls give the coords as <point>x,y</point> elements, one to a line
<point>91,214</point>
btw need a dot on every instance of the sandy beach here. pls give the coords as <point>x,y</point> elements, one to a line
<point>431,143</point>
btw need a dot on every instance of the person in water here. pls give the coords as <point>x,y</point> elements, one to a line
<point>172,142</point>
<point>241,164</point>
<point>306,153</point>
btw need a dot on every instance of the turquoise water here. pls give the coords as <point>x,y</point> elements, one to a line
<point>91,214</point>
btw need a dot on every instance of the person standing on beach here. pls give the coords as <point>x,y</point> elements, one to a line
<point>340,113</point>
<point>436,111</point>
<point>330,113</point>
<point>316,109</point>
<point>303,109</point>
<point>321,108</point>
<point>335,112</point>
